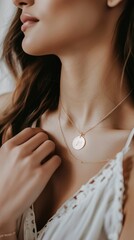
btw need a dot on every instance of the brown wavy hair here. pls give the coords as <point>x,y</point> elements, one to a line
<point>38,78</point>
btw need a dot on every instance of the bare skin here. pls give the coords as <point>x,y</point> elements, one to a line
<point>90,88</point>
<point>24,153</point>
<point>72,174</point>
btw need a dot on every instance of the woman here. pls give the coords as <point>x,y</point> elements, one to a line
<point>67,135</point>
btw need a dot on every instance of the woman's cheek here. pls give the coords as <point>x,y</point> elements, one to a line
<point>50,8</point>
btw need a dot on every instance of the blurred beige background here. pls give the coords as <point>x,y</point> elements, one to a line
<point>7,11</point>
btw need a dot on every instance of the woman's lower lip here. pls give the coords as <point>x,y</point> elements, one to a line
<point>27,25</point>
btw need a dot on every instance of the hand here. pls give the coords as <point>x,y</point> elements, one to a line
<point>22,176</point>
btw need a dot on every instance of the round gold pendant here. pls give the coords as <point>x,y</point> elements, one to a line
<point>78,142</point>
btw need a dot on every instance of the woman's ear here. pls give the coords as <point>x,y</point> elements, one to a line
<point>113,3</point>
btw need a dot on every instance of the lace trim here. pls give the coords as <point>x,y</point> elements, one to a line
<point>116,214</point>
<point>103,175</point>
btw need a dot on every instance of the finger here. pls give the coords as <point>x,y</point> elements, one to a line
<point>43,151</point>
<point>34,142</point>
<point>48,169</point>
<point>24,135</point>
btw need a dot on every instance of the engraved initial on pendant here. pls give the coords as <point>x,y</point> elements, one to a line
<point>79,142</point>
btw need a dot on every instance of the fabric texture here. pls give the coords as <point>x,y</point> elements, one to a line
<point>94,212</point>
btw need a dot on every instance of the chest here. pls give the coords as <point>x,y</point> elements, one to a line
<point>53,197</point>
<point>62,186</point>
<point>72,174</point>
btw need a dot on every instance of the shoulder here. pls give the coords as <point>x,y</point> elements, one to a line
<point>128,228</point>
<point>5,101</point>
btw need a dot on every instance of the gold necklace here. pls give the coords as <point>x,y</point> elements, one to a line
<point>83,162</point>
<point>80,141</point>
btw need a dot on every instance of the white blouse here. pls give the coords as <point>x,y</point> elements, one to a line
<point>94,212</point>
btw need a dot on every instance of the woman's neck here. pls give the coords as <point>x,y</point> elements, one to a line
<point>91,85</point>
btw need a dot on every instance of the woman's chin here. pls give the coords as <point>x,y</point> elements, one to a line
<point>34,50</point>
<point>30,50</point>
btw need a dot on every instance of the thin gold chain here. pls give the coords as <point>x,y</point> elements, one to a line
<point>83,162</point>
<point>100,121</point>
<point>59,119</point>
